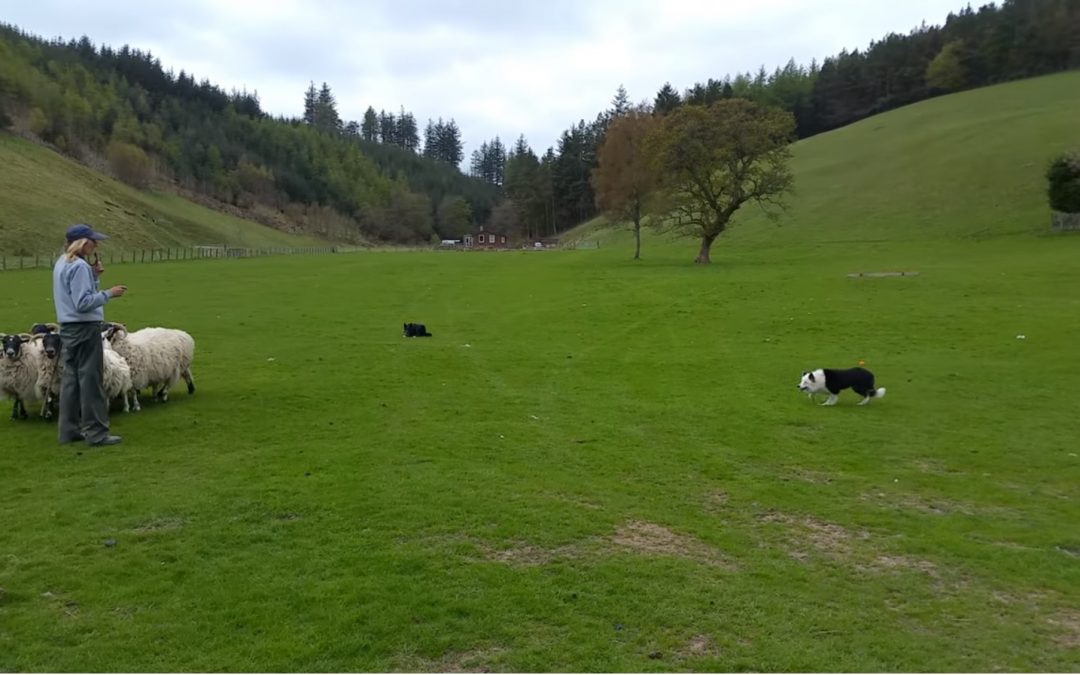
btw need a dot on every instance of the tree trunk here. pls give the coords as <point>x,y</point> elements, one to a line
<point>637,234</point>
<point>706,245</point>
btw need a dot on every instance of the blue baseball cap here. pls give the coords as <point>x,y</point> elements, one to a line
<point>82,231</point>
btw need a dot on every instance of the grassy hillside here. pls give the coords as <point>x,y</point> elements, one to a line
<point>962,167</point>
<point>594,464</point>
<point>971,164</point>
<point>41,193</point>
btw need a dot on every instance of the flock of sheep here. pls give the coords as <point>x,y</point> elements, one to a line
<point>31,365</point>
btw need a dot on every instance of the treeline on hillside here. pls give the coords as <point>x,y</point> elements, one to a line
<point>973,48</point>
<point>314,172</point>
<point>384,177</point>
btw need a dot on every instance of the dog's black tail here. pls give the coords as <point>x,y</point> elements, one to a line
<point>425,334</point>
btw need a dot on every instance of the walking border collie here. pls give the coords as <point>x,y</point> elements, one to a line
<point>859,380</point>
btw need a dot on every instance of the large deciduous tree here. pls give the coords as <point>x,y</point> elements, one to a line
<point>713,160</point>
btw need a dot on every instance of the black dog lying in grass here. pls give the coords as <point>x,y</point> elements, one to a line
<point>415,330</point>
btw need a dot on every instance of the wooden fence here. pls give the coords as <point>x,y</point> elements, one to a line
<point>153,255</point>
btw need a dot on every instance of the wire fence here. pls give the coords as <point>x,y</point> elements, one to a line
<point>173,254</point>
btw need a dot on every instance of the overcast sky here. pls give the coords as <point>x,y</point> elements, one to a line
<point>531,66</point>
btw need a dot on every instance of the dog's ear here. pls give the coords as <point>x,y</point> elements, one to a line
<point>812,378</point>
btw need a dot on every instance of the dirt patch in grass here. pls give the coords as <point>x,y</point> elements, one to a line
<point>698,646</point>
<point>808,476</point>
<point>163,524</point>
<point>830,538</point>
<point>473,661</point>
<point>639,537</point>
<point>68,607</point>
<point>717,498</point>
<point>934,507</point>
<point>1068,625</point>
<point>657,540</point>
<point>842,544</point>
<point>1071,550</point>
<point>577,501</point>
<point>892,562</point>
<point>933,466</point>
<point>527,555</point>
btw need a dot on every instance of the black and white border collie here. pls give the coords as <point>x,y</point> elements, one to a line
<point>859,380</point>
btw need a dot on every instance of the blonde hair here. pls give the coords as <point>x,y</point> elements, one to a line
<point>74,249</point>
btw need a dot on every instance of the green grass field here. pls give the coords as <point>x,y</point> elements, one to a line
<point>42,192</point>
<point>596,464</point>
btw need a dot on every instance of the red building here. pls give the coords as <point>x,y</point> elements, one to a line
<point>486,239</point>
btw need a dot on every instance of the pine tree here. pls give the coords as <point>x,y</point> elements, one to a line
<point>667,99</point>
<point>311,98</point>
<point>476,161</point>
<point>522,187</point>
<point>408,136</point>
<point>327,118</point>
<point>369,128</point>
<point>450,144</point>
<point>497,162</point>
<point>431,139</point>
<point>442,141</point>
<point>620,105</point>
<point>387,128</point>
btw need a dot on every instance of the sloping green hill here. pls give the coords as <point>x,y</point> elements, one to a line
<point>971,164</point>
<point>967,165</point>
<point>42,192</point>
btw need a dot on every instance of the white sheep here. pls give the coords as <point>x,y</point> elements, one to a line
<point>157,357</point>
<point>117,375</point>
<point>20,364</point>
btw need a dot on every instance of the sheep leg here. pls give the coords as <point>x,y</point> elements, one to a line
<point>189,379</point>
<point>15,409</point>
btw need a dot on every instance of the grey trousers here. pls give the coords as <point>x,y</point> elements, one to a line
<point>84,410</point>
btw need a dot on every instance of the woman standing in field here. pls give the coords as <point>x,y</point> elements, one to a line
<point>84,410</point>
